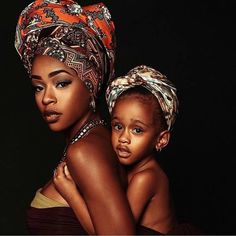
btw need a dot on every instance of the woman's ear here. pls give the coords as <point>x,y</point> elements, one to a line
<point>162,140</point>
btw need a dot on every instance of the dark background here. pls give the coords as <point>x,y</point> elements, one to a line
<point>193,43</point>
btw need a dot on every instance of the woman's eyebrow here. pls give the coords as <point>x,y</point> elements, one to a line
<point>51,74</point>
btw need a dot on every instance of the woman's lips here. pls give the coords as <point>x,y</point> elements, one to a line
<point>51,116</point>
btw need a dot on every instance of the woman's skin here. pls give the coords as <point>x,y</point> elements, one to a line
<point>63,100</point>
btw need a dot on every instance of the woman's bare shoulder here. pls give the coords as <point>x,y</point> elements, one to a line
<point>91,160</point>
<point>95,148</point>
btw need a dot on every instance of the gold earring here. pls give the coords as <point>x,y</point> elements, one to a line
<point>93,104</point>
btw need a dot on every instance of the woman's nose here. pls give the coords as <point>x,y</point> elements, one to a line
<point>49,96</point>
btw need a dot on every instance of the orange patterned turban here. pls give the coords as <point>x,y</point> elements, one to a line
<point>81,37</point>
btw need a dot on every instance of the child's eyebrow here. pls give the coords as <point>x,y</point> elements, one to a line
<point>114,118</point>
<point>140,122</point>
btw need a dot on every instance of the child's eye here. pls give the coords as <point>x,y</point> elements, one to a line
<point>63,84</point>
<point>137,130</point>
<point>117,126</point>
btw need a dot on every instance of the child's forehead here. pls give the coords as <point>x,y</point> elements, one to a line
<point>132,111</point>
<point>135,102</point>
<point>146,98</point>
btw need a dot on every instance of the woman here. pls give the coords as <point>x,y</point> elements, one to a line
<point>68,51</point>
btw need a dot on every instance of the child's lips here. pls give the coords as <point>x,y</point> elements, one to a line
<point>123,151</point>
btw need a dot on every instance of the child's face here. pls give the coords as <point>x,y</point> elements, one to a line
<point>134,132</point>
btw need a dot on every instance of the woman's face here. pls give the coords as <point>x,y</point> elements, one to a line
<point>60,95</point>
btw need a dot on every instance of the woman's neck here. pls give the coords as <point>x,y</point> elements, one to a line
<point>72,131</point>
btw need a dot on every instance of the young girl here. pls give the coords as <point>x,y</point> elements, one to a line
<point>143,106</point>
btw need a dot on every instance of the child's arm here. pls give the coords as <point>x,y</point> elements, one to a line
<point>140,191</point>
<point>66,186</point>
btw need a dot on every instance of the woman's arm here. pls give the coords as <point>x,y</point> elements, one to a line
<point>95,171</point>
<point>140,191</point>
<point>66,186</point>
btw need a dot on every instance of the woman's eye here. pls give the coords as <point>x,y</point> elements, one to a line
<point>63,84</point>
<point>37,88</point>
<point>137,130</point>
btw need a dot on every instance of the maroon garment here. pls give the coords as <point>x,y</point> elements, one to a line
<point>185,228</point>
<point>53,220</point>
<point>143,230</point>
<point>62,220</point>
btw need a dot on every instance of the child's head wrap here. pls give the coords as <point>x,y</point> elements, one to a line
<point>152,80</point>
<point>81,37</point>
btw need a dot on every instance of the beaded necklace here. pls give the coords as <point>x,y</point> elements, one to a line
<point>83,131</point>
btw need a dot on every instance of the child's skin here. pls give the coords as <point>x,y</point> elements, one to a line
<point>138,130</point>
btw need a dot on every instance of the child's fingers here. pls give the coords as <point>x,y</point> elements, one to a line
<point>67,173</point>
<point>62,164</point>
<point>59,171</point>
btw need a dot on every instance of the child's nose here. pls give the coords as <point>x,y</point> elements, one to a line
<point>124,137</point>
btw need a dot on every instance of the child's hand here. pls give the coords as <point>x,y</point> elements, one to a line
<point>64,182</point>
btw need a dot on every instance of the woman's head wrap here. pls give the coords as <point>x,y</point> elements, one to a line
<point>152,80</point>
<point>81,37</point>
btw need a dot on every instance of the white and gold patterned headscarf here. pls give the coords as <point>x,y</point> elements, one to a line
<point>151,79</point>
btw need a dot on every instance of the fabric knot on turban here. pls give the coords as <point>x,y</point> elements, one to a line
<point>81,37</point>
<point>151,79</point>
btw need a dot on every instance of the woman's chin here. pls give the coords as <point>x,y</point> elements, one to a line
<point>55,128</point>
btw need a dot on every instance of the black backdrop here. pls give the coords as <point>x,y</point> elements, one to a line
<point>193,44</point>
